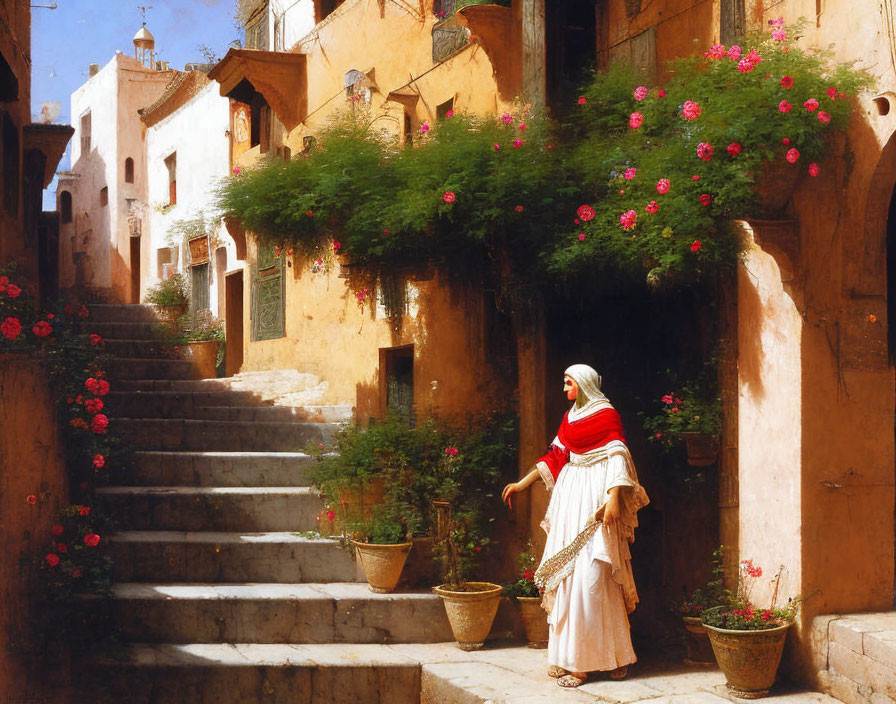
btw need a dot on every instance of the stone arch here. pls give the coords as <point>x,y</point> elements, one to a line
<point>870,274</point>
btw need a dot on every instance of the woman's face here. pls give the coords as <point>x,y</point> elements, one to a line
<point>571,388</point>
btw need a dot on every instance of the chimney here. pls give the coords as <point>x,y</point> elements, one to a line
<point>93,70</point>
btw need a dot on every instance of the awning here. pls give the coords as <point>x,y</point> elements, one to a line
<point>52,141</point>
<point>406,96</point>
<point>280,77</point>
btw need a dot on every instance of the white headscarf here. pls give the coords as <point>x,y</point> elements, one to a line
<point>588,381</point>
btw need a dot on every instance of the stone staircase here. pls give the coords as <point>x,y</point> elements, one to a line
<point>218,594</point>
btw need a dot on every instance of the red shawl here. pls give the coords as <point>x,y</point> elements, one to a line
<point>583,435</point>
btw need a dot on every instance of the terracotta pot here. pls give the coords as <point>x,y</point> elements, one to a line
<point>775,186</point>
<point>204,356</point>
<point>382,564</point>
<point>535,621</point>
<point>703,449</point>
<point>171,314</point>
<point>697,640</point>
<point>749,659</point>
<point>471,612</point>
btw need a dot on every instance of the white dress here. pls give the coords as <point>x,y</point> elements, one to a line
<point>590,596</point>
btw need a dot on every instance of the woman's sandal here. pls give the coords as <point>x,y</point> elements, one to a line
<point>619,673</point>
<point>556,671</point>
<point>571,681</point>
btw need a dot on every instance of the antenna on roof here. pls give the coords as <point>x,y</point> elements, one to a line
<point>143,9</point>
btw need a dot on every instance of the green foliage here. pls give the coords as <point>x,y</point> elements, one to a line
<point>500,197</point>
<point>692,406</point>
<point>170,292</point>
<point>524,585</point>
<point>750,619</point>
<point>711,596</point>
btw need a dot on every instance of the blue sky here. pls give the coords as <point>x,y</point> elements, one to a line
<point>65,41</point>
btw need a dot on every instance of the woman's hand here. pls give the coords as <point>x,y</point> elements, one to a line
<point>509,491</point>
<point>612,510</point>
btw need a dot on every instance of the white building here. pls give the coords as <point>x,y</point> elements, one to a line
<point>102,200</point>
<point>187,155</point>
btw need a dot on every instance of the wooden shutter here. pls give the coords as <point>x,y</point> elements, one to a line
<point>267,295</point>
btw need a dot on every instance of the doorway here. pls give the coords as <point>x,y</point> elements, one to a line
<point>891,315</point>
<point>233,326</point>
<point>135,270</point>
<point>397,367</point>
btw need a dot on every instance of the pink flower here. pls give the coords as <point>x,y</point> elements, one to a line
<point>621,191</point>
<point>517,143</point>
<point>581,237</point>
<point>450,113</point>
<point>630,174</point>
<point>785,141</point>
<point>640,93</point>
<point>704,151</point>
<point>13,291</point>
<point>716,51</point>
<point>635,120</point>
<point>787,81</point>
<point>95,339</point>
<point>518,208</point>
<point>779,34</point>
<point>424,128</point>
<point>662,186</point>
<point>57,530</point>
<point>91,540</point>
<point>83,510</point>
<point>99,423</point>
<point>99,461</point>
<point>705,199</point>
<point>651,207</point>
<point>585,213</point>
<point>784,106</point>
<point>811,104</point>
<point>734,148</point>
<point>754,58</point>
<point>506,118</point>
<point>582,100</point>
<point>497,147</point>
<point>661,93</point>
<point>734,52</point>
<point>628,219</point>
<point>337,245</point>
<point>695,177</point>
<point>745,65</point>
<point>10,328</point>
<point>792,155</point>
<point>690,110</point>
<point>832,93</point>
<point>696,245</point>
<point>451,451</point>
<point>448,196</point>
<point>522,127</point>
<point>52,559</point>
<point>658,436</point>
<point>823,117</point>
<point>42,328</point>
<point>776,23</point>
<point>236,170</point>
<point>813,169</point>
<point>667,399</point>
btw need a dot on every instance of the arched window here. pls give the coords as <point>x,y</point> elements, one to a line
<point>65,206</point>
<point>129,170</point>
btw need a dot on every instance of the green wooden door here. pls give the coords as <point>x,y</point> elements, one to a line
<point>267,296</point>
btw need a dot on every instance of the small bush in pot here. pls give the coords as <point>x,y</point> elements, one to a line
<point>526,593</point>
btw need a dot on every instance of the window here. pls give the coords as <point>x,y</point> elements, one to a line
<point>171,165</point>
<point>104,196</point>
<point>397,367</point>
<point>257,30</point>
<point>442,110</point>
<point>129,170</point>
<point>166,258</point>
<point>10,150</point>
<point>85,133</point>
<point>323,8</point>
<point>65,206</point>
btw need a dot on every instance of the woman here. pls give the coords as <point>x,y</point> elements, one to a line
<point>586,568</point>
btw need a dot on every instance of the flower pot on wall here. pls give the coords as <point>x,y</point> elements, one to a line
<point>471,609</point>
<point>204,356</point>
<point>535,621</point>
<point>697,641</point>
<point>382,564</point>
<point>702,448</point>
<point>749,659</point>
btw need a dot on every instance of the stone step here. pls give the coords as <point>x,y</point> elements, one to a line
<point>283,414</point>
<point>174,404</point>
<point>221,436</point>
<point>276,613</point>
<point>143,330</point>
<point>174,556</point>
<point>246,673</point>
<point>179,385</point>
<point>212,508</point>
<point>122,312</point>
<point>119,368</point>
<point>140,348</point>
<point>221,469</point>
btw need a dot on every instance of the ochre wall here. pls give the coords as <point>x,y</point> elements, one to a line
<point>30,463</point>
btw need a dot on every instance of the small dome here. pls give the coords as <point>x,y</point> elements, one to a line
<point>144,37</point>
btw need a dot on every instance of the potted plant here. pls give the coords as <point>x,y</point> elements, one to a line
<point>171,297</point>
<point>711,596</point>
<point>203,336</point>
<point>527,595</point>
<point>748,641</point>
<point>385,547</point>
<point>690,414</point>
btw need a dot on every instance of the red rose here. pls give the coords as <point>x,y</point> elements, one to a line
<point>93,405</point>
<point>57,529</point>
<point>448,197</point>
<point>734,149</point>
<point>705,199</point>
<point>518,208</point>
<point>585,213</point>
<point>31,499</point>
<point>99,461</point>
<point>331,514</point>
<point>309,213</point>
<point>10,328</point>
<point>52,559</point>
<point>83,312</point>
<point>61,547</point>
<point>83,510</point>
<point>529,575</point>
<point>95,339</point>
<point>13,291</point>
<point>582,100</point>
<point>99,423</point>
<point>91,540</point>
<point>696,245</point>
<point>787,81</point>
<point>76,573</point>
<point>42,328</point>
